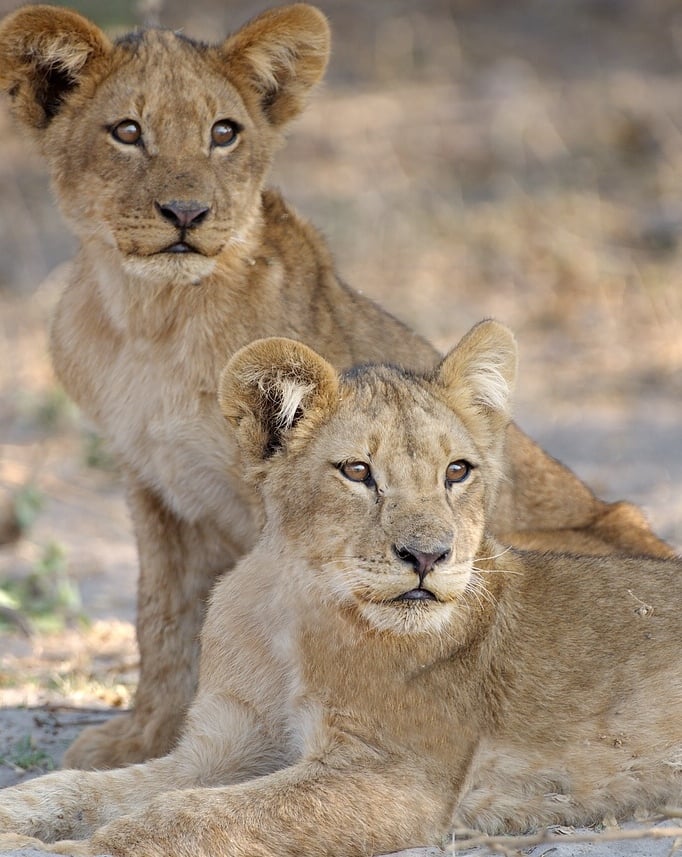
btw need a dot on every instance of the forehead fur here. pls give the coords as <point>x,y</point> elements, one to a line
<point>136,38</point>
<point>384,405</point>
<point>158,45</point>
<point>385,386</point>
<point>154,63</point>
<point>392,409</point>
<point>161,51</point>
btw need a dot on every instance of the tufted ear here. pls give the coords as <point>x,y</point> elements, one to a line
<point>44,51</point>
<point>268,387</point>
<point>281,54</point>
<point>478,378</point>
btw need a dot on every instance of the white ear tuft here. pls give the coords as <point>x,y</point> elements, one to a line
<point>284,394</point>
<point>481,370</point>
<point>269,388</point>
<point>489,383</point>
<point>292,395</point>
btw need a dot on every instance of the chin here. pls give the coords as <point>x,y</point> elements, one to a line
<point>415,618</point>
<point>176,268</point>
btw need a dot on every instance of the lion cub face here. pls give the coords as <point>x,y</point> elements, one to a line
<point>377,482</point>
<point>159,145</point>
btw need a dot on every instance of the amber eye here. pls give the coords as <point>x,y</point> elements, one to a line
<point>357,471</point>
<point>128,131</point>
<point>457,471</point>
<point>224,132</point>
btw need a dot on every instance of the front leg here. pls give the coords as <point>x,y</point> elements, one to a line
<point>233,733</point>
<point>74,804</point>
<point>11,843</point>
<point>17,842</point>
<point>310,809</point>
<point>179,563</point>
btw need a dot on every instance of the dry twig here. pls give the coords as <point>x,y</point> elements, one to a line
<point>511,846</point>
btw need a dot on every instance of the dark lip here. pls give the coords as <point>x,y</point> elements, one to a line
<point>179,247</point>
<point>417,595</point>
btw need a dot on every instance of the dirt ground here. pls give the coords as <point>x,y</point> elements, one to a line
<point>465,159</point>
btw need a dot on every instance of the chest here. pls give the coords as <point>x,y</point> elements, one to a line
<point>384,696</point>
<point>156,405</point>
<point>167,426</point>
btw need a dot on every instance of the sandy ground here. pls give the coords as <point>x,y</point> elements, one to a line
<point>465,159</point>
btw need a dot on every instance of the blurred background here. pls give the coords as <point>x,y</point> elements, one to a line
<point>465,158</point>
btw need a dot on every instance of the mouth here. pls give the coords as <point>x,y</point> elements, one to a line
<point>179,247</point>
<point>418,594</point>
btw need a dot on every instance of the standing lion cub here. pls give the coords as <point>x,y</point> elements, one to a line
<point>159,148</point>
<point>378,668</point>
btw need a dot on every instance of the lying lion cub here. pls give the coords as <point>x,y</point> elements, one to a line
<point>159,148</point>
<point>378,668</point>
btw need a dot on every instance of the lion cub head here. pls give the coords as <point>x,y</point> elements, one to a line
<point>159,145</point>
<point>377,483</point>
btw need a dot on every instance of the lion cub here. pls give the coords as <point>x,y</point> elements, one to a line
<point>159,149</point>
<point>378,669</point>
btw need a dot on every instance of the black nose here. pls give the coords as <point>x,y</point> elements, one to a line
<point>184,215</point>
<point>423,561</point>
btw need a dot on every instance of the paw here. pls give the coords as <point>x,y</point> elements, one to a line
<point>17,842</point>
<point>119,741</point>
<point>46,808</point>
<point>12,843</point>
<point>73,847</point>
<point>15,816</point>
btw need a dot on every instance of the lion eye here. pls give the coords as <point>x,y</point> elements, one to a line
<point>127,131</point>
<point>457,471</point>
<point>357,471</point>
<point>224,132</point>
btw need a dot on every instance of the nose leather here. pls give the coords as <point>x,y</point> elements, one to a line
<point>183,214</point>
<point>422,561</point>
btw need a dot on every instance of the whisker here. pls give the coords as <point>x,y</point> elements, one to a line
<point>481,592</point>
<point>338,564</point>
<point>358,565</point>
<point>496,555</point>
<point>496,571</point>
<point>474,591</point>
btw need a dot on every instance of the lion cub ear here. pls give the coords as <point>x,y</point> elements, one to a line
<point>44,51</point>
<point>269,387</point>
<point>479,375</point>
<point>281,54</point>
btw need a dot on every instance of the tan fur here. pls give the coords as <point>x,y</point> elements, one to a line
<point>140,334</point>
<point>334,716</point>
